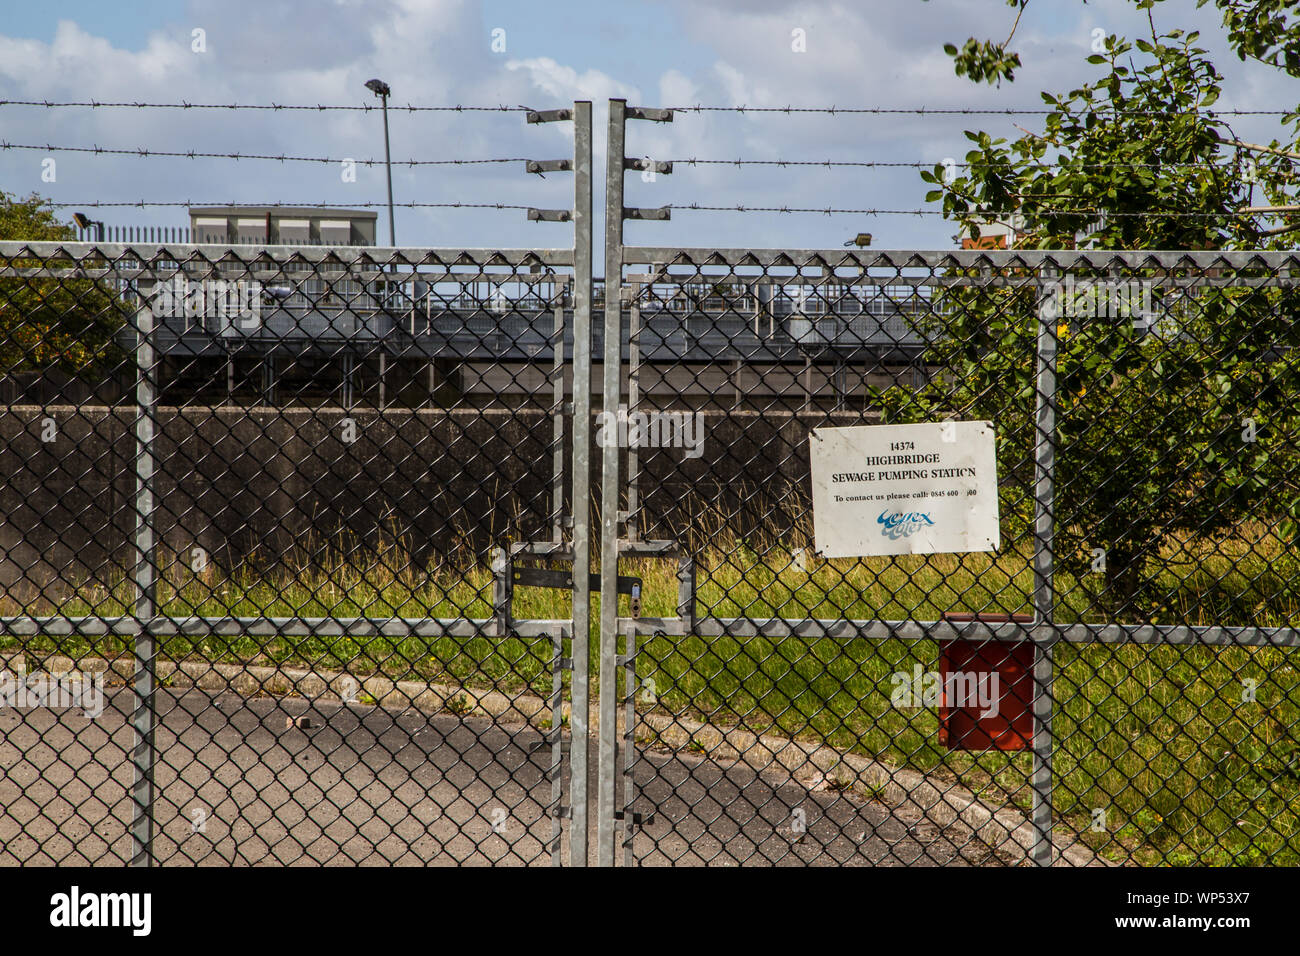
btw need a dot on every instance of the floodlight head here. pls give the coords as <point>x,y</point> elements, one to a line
<point>82,221</point>
<point>378,87</point>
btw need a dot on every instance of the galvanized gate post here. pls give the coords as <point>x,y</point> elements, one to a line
<point>581,703</point>
<point>578,412</point>
<point>145,575</point>
<point>609,497</point>
<point>616,164</point>
<point>1044,598</point>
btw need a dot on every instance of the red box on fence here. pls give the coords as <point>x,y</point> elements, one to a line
<point>988,689</point>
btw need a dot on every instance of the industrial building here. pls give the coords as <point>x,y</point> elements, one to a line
<point>343,337</point>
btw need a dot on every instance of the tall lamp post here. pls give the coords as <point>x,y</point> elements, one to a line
<point>382,90</point>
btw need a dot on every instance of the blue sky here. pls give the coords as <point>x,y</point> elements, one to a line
<point>885,53</point>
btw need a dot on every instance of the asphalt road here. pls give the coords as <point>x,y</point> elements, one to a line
<point>367,786</point>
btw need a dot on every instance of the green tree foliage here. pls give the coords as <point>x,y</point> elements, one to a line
<point>65,322</point>
<point>1264,30</point>
<point>1177,416</point>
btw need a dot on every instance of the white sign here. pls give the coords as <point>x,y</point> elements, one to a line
<point>904,489</point>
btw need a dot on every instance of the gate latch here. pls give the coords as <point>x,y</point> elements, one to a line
<point>638,820</point>
<point>563,580</point>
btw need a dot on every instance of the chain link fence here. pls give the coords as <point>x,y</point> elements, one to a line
<point>300,553</point>
<point>257,503</point>
<point>1114,684</point>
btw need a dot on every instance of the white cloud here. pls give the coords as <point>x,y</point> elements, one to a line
<point>887,53</point>
<point>566,83</point>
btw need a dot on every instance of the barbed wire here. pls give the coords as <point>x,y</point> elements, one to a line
<point>833,163</point>
<point>699,108</point>
<point>282,158</point>
<point>144,203</point>
<point>947,111</point>
<point>146,153</point>
<point>364,107</point>
<point>831,211</point>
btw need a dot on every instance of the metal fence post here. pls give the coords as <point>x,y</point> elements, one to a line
<point>502,592</point>
<point>582,252</point>
<point>557,418</point>
<point>630,689</point>
<point>145,578</point>
<point>1044,598</point>
<point>609,503</point>
<point>556,738</point>
<point>633,400</point>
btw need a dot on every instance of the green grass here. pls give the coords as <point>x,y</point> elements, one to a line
<point>1158,736</point>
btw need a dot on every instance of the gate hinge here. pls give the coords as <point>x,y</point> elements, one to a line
<point>547,165</point>
<point>652,113</point>
<point>563,813</point>
<point>564,664</point>
<point>550,215</point>
<point>549,116</point>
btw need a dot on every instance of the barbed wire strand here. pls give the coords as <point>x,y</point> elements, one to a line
<point>144,203</point>
<point>144,153</point>
<point>147,153</point>
<point>947,111</point>
<point>699,108</point>
<point>871,164</point>
<point>831,211</point>
<point>319,107</point>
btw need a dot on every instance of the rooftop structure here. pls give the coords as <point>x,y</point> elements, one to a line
<point>283,225</point>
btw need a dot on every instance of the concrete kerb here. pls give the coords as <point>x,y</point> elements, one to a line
<point>815,766</point>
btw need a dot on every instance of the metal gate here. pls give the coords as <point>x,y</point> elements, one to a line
<point>252,492</point>
<point>297,540</point>
<point>770,707</point>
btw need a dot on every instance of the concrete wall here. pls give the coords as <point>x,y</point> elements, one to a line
<point>258,483</point>
<point>262,482</point>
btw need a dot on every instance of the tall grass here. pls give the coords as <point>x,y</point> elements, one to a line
<point>1165,739</point>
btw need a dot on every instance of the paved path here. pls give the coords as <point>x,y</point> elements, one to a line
<point>368,786</point>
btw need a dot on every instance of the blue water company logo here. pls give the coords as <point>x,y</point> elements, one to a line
<point>901,524</point>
